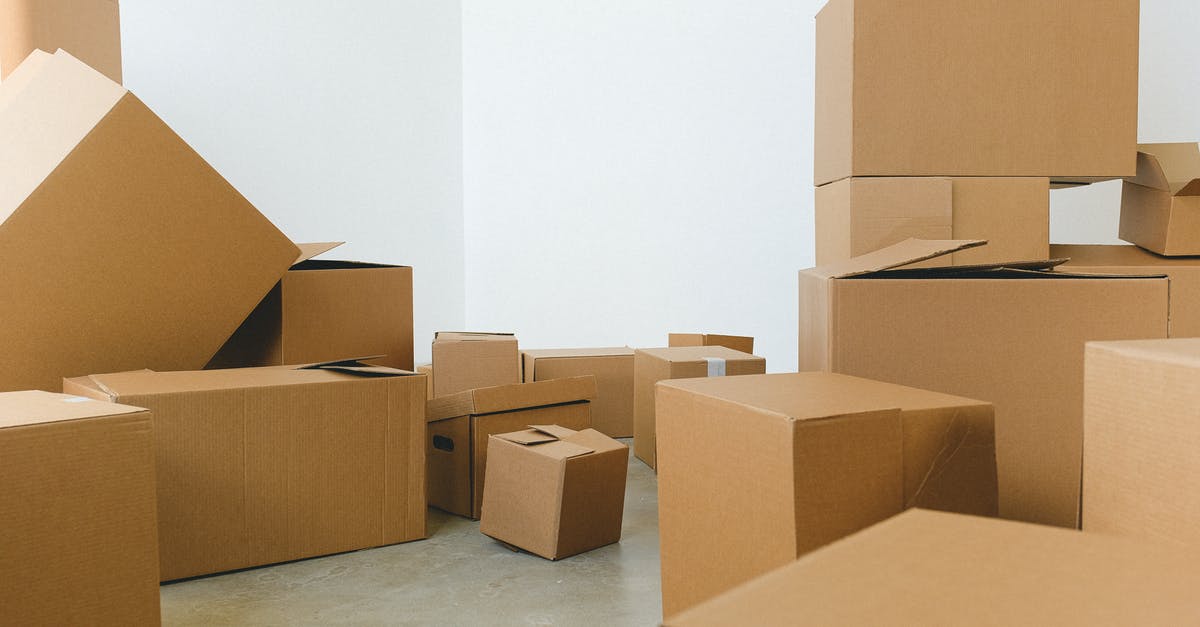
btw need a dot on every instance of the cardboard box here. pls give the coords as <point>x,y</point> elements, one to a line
<point>79,543</point>
<point>427,370</point>
<point>323,310</point>
<point>90,30</point>
<point>120,247</point>
<point>612,409</point>
<point>460,424</point>
<point>264,465</point>
<point>553,491</point>
<point>859,215</point>
<point>1141,476</point>
<point>1012,336</point>
<point>465,361</point>
<point>756,471</point>
<point>1160,207</point>
<point>1184,273</point>
<point>954,88</point>
<point>930,568</point>
<point>651,365</point>
<point>736,342</point>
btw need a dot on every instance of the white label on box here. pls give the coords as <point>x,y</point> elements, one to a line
<point>716,366</point>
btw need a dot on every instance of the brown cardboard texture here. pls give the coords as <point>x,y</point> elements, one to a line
<point>741,343</point>
<point>554,492</point>
<point>460,425</point>
<point>466,360</point>
<point>953,88</point>
<point>826,454</point>
<point>79,544</point>
<point>1141,476</point>
<point>323,310</point>
<point>265,465</point>
<point>427,370</point>
<point>651,365</point>
<point>120,248</point>
<point>612,409</point>
<point>931,568</point>
<point>1160,206</point>
<point>90,30</point>
<point>1012,336</point>
<point>858,215</point>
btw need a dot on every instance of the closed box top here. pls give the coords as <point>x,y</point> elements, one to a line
<point>695,354</point>
<point>741,343</point>
<point>22,409</point>
<point>470,336</point>
<point>502,398</point>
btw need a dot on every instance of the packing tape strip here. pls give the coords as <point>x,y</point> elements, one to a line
<point>716,366</point>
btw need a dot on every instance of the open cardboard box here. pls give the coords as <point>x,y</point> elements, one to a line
<point>1160,206</point>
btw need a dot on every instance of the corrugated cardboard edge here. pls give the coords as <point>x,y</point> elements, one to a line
<point>310,250</point>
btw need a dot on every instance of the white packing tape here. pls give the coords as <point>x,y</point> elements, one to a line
<point>716,366</point>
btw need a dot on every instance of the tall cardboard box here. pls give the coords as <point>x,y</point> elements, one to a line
<point>88,29</point>
<point>120,248</point>
<point>858,215</point>
<point>930,568</point>
<point>465,361</point>
<point>974,88</point>
<point>1141,425</point>
<point>79,543</point>
<point>756,471</point>
<point>612,409</point>
<point>1012,336</point>
<point>555,492</point>
<point>460,425</point>
<point>741,343</point>
<point>324,310</point>
<point>264,465</point>
<point>1160,207</point>
<point>651,365</point>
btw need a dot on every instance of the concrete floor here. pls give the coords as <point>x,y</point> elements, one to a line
<point>456,577</point>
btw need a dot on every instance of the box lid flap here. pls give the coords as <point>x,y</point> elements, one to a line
<point>310,250</point>
<point>358,367</point>
<point>512,397</point>
<point>554,430</point>
<point>19,409</point>
<point>903,253</point>
<point>542,440</point>
<point>1168,167</point>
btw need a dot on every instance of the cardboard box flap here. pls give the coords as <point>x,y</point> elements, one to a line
<point>1191,189</point>
<point>556,431</point>
<point>512,397</point>
<point>528,436</point>
<point>1169,167</point>
<point>20,409</point>
<point>909,251</point>
<point>357,368</point>
<point>996,272</point>
<point>310,250</point>
<point>543,443</point>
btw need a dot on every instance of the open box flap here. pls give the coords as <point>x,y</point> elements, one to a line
<point>1169,167</point>
<point>900,254</point>
<point>310,250</point>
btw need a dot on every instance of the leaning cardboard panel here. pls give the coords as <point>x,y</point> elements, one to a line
<point>755,471</point>
<point>468,360</point>
<point>265,465</point>
<point>1160,207</point>
<point>1012,336</point>
<point>612,409</point>
<point>929,568</point>
<point>120,247</point>
<point>323,310</point>
<point>88,29</point>
<point>741,343</point>
<point>79,544</point>
<point>970,88</point>
<point>460,424</point>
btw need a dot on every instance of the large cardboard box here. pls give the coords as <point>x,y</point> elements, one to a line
<point>465,361</point>
<point>1012,336</point>
<point>460,424</point>
<point>553,491</point>
<point>1184,273</point>
<point>974,88</point>
<point>858,215</point>
<point>78,545</point>
<point>741,343</point>
<point>90,30</point>
<point>1141,476</point>
<point>120,247</point>
<point>265,465</point>
<point>931,568</point>
<point>612,409</point>
<point>651,365</point>
<point>1160,207</point>
<point>324,310</point>
<point>755,471</point>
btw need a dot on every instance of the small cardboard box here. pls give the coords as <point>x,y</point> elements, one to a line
<point>1012,335</point>
<point>741,343</point>
<point>755,471</point>
<point>553,491</point>
<point>651,365</point>
<point>460,424</point>
<point>323,310</point>
<point>264,465</point>
<point>859,215</point>
<point>1160,207</point>
<point>954,88</point>
<point>612,409</point>
<point>1141,475</point>
<point>120,247</point>
<point>90,30</point>
<point>465,361</point>
<point>932,568</point>
<point>79,543</point>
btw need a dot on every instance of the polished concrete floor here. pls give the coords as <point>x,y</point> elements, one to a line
<point>456,577</point>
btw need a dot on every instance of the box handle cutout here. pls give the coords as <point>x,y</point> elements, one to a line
<point>443,443</point>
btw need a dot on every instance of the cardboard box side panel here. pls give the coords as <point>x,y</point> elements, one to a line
<point>950,460</point>
<point>1012,213</point>
<point>448,464</point>
<point>593,502</point>
<point>259,339</point>
<point>1183,230</point>
<point>685,339</point>
<point>817,326</point>
<point>1145,217</point>
<point>833,114</point>
<point>404,507</point>
<point>1184,289</point>
<point>89,29</point>
<point>467,365</point>
<point>521,503</point>
<point>647,370</point>
<point>740,343</point>
<point>612,409</point>
<point>833,219</point>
